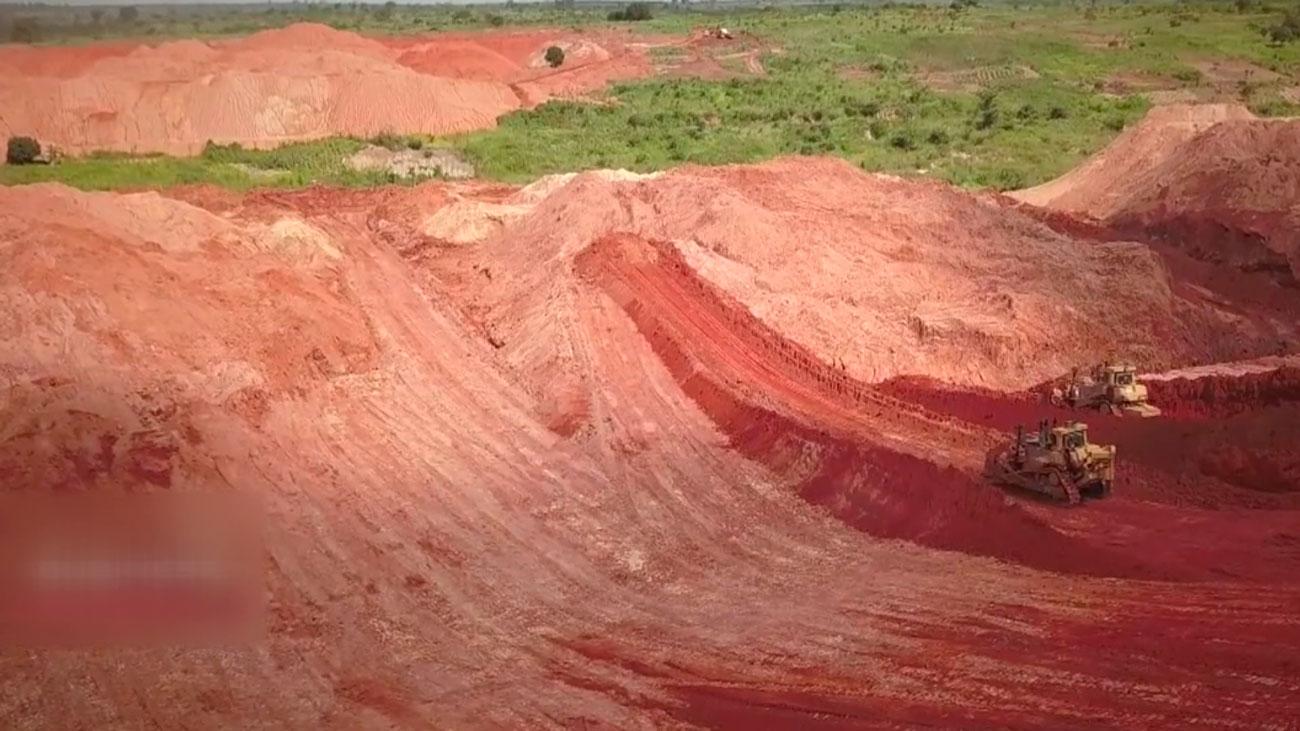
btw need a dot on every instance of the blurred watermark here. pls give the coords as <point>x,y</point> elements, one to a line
<point>93,569</point>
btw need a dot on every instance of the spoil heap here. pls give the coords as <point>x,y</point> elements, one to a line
<point>301,82</point>
<point>1212,180</point>
<point>584,454</point>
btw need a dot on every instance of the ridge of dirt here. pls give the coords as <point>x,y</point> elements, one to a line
<point>1211,180</point>
<point>880,275</point>
<point>301,82</point>
<point>702,340</point>
<point>1109,178</point>
<point>602,462</point>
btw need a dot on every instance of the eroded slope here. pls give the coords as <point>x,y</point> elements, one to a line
<point>1211,180</point>
<point>302,82</point>
<point>557,473</point>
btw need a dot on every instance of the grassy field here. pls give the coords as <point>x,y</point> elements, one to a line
<point>1002,96</point>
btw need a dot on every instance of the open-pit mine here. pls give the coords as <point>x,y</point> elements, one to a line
<point>702,448</point>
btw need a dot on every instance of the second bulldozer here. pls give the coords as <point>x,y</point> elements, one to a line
<point>1058,461</point>
<point>1111,388</point>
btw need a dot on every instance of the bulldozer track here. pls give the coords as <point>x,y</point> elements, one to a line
<point>1069,489</point>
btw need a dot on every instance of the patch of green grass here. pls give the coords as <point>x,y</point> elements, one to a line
<point>296,164</point>
<point>112,172</point>
<point>894,124</point>
<point>1034,126</point>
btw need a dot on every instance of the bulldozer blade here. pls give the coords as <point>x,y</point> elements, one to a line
<point>1146,411</point>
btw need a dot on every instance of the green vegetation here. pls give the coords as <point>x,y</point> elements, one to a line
<point>554,56</point>
<point>1001,95</point>
<point>232,166</point>
<point>22,151</point>
<point>635,12</point>
<point>1287,29</point>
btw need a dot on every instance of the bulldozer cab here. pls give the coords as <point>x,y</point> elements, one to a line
<point>1072,436</point>
<point>1117,375</point>
<point>1067,437</point>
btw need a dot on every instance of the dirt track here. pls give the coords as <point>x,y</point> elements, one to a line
<point>636,469</point>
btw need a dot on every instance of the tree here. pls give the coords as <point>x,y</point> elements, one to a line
<point>554,56</point>
<point>128,13</point>
<point>25,30</point>
<point>635,11</point>
<point>986,114</point>
<point>97,16</point>
<point>22,151</point>
<point>1287,28</point>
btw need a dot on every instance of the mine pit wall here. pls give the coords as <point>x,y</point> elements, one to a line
<point>1217,239</point>
<point>871,487</point>
<point>1256,288</point>
<point>1220,396</point>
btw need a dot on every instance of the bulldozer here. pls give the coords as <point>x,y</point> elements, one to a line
<point>1057,461</point>
<point>1110,388</point>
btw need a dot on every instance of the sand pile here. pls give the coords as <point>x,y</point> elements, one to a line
<point>300,82</point>
<point>587,467</point>
<point>880,275</point>
<point>1212,180</point>
<point>1102,184</point>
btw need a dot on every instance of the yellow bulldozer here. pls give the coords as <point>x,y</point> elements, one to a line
<point>1057,461</point>
<point>1110,388</point>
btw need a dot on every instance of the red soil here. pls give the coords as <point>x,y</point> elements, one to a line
<point>606,452</point>
<point>301,82</point>
<point>1211,180</point>
<point>693,329</point>
<point>1224,396</point>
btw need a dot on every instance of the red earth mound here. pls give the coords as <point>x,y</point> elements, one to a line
<point>875,274</point>
<point>301,82</point>
<point>1212,180</point>
<point>586,454</point>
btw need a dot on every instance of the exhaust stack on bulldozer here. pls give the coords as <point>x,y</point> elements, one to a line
<point>1057,461</point>
<point>1111,388</point>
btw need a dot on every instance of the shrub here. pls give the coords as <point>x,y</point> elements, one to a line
<point>24,30</point>
<point>1057,112</point>
<point>937,137</point>
<point>388,141</point>
<point>638,11</point>
<point>128,13</point>
<point>22,151</point>
<point>635,11</point>
<point>902,141</point>
<point>494,20</point>
<point>1189,75</point>
<point>1007,179</point>
<point>554,56</point>
<point>1114,124</point>
<point>1286,30</point>
<point>986,113</point>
